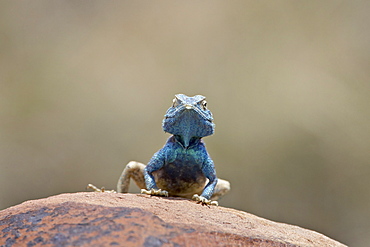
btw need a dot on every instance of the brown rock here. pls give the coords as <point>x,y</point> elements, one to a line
<point>107,219</point>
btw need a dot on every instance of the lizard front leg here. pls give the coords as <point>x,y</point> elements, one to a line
<point>222,187</point>
<point>204,198</point>
<point>210,173</point>
<point>154,164</point>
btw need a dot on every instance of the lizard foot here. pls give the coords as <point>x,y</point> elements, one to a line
<point>96,189</point>
<point>204,201</point>
<point>154,192</point>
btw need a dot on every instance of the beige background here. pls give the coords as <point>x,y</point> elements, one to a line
<point>84,86</point>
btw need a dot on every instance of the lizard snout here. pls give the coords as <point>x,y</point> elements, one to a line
<point>187,106</point>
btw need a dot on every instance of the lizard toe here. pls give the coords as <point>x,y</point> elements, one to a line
<point>204,201</point>
<point>154,192</point>
<point>96,189</point>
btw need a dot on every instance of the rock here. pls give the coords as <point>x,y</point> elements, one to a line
<point>109,219</point>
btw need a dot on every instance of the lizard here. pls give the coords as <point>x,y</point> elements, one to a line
<point>183,166</point>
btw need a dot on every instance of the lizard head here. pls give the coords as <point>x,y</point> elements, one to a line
<point>188,119</point>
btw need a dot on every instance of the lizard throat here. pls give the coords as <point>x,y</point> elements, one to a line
<point>187,142</point>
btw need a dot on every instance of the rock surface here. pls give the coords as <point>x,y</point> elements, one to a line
<point>108,219</point>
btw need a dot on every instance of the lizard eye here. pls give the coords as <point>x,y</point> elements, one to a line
<point>175,102</point>
<point>204,105</point>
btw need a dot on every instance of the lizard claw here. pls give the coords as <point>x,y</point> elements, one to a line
<point>96,189</point>
<point>154,192</point>
<point>204,201</point>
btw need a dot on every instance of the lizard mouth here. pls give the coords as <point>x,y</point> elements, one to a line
<point>189,109</point>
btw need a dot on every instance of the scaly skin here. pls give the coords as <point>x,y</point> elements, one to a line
<point>183,166</point>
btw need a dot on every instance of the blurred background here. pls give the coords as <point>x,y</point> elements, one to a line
<point>84,86</point>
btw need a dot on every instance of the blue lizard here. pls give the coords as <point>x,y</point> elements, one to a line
<point>183,166</point>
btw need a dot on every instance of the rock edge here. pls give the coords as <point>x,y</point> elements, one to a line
<point>104,219</point>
